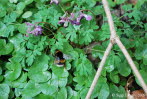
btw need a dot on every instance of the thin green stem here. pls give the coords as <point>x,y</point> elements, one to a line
<point>50,30</point>
<point>51,25</point>
<point>96,50</point>
<point>62,8</point>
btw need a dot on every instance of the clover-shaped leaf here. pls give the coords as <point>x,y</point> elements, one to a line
<point>114,77</point>
<point>5,48</point>
<point>38,71</point>
<point>3,11</point>
<point>14,71</point>
<point>62,93</point>
<point>72,94</point>
<point>141,53</point>
<point>21,82</point>
<point>43,96</point>
<point>48,89</point>
<point>83,65</point>
<point>59,81</point>
<point>31,89</point>
<point>4,91</point>
<point>124,68</point>
<point>144,75</point>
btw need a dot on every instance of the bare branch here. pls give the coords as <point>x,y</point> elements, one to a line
<point>121,46</point>
<point>114,39</point>
<point>109,17</point>
<point>97,75</point>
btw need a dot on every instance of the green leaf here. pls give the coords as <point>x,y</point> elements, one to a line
<point>30,60</point>
<point>13,1</point>
<point>19,56</point>
<point>8,48</point>
<point>80,80</point>
<point>1,78</point>
<point>67,48</point>
<point>83,66</point>
<point>114,77</point>
<point>3,11</point>
<point>112,62</point>
<point>20,82</point>
<point>13,72</point>
<point>117,92</point>
<point>27,14</point>
<point>61,80</point>
<point>86,36</point>
<point>120,1</point>
<point>4,91</point>
<point>28,1</point>
<point>127,7</point>
<point>31,89</point>
<point>17,40</point>
<point>144,75</point>
<point>102,83</point>
<point>62,93</point>
<point>72,94</point>
<point>141,53</point>
<point>21,6</point>
<point>109,66</point>
<point>42,96</point>
<point>58,44</point>
<point>0,68</point>
<point>6,30</point>
<point>53,16</point>
<point>111,3</point>
<point>104,33</point>
<point>18,92</point>
<point>124,68</point>
<point>104,92</point>
<point>48,89</point>
<point>59,71</point>
<point>98,10</point>
<point>10,17</point>
<point>83,93</point>
<point>22,28</point>
<point>38,71</point>
<point>71,33</point>
<point>98,51</point>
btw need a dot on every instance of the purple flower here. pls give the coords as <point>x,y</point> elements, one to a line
<point>29,24</point>
<point>82,15</point>
<point>27,35</point>
<point>34,29</point>
<point>64,20</point>
<point>73,19</point>
<point>75,22</point>
<point>88,17</point>
<point>54,1</point>
<point>72,15</point>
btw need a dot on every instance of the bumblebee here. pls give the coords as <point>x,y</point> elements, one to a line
<point>59,58</point>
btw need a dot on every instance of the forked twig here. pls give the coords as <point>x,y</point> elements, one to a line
<point>114,39</point>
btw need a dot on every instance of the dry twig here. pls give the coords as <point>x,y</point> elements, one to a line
<point>114,39</point>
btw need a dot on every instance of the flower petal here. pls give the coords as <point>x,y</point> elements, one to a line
<point>54,1</point>
<point>88,17</point>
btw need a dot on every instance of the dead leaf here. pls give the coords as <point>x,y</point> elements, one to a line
<point>132,2</point>
<point>139,94</point>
